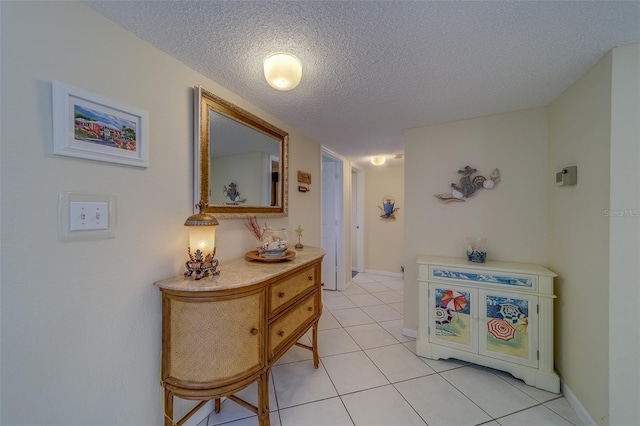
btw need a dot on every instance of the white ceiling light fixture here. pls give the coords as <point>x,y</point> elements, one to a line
<point>282,71</point>
<point>378,160</point>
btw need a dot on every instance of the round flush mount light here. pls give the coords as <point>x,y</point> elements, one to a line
<point>378,160</point>
<point>282,71</point>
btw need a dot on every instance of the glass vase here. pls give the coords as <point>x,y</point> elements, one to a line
<point>274,242</point>
<point>477,249</point>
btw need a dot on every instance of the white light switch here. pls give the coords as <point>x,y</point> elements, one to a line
<point>88,216</point>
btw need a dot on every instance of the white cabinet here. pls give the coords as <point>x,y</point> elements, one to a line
<point>497,314</point>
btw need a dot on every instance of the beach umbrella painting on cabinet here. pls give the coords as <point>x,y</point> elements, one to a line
<point>511,313</point>
<point>501,329</point>
<point>443,316</point>
<point>453,300</point>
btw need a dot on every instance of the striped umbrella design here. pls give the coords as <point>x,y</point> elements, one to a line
<point>501,329</point>
<point>443,316</point>
<point>510,312</point>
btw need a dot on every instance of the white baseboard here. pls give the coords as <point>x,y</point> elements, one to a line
<point>409,332</point>
<point>201,414</point>
<point>387,273</point>
<point>581,412</point>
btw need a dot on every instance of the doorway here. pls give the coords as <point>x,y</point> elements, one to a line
<point>332,222</point>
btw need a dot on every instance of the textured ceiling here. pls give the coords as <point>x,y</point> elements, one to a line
<point>374,68</point>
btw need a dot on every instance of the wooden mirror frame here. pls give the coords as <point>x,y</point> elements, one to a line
<point>204,102</point>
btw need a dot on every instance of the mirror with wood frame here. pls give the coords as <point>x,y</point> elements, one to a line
<point>240,166</point>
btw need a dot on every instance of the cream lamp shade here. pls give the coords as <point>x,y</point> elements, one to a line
<point>202,238</point>
<point>283,71</point>
<point>202,232</point>
<point>378,160</point>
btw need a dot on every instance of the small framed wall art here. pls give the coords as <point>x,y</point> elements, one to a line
<point>96,128</point>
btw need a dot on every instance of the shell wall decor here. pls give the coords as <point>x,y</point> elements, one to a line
<point>469,185</point>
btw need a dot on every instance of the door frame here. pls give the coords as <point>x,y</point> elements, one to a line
<point>341,243</point>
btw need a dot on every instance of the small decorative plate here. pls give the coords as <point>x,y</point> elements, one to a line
<point>254,255</point>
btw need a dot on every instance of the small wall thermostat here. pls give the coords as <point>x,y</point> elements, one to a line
<point>567,176</point>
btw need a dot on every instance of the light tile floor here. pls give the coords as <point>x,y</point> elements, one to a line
<point>369,375</point>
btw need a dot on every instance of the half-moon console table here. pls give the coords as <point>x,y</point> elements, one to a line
<point>222,333</point>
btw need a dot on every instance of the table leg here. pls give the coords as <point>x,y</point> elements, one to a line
<point>263,399</point>
<point>316,358</point>
<point>168,408</point>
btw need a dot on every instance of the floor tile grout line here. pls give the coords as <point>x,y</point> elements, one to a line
<point>412,407</point>
<point>374,347</point>
<point>560,396</point>
<point>464,394</point>
<point>538,403</point>
<point>505,379</point>
<point>529,408</point>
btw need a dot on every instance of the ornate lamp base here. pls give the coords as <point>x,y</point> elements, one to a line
<point>201,265</point>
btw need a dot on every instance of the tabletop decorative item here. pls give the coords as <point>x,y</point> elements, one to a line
<point>467,186</point>
<point>274,242</point>
<point>202,244</point>
<point>299,233</point>
<point>254,228</point>
<point>477,249</point>
<point>388,207</point>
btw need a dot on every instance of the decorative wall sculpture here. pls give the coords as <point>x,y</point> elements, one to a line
<point>468,185</point>
<point>388,207</point>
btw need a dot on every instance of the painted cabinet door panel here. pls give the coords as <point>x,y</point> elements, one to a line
<point>453,316</point>
<point>509,326</point>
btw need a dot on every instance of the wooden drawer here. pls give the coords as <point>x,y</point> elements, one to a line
<point>286,290</point>
<point>281,331</point>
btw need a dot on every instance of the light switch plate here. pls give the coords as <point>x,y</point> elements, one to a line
<point>86,216</point>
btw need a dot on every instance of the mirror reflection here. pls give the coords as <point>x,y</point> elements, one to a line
<point>242,168</point>
<point>244,165</point>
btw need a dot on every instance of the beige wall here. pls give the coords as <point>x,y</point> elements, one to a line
<point>594,239</point>
<point>81,320</point>
<point>384,238</point>
<point>624,238</point>
<point>579,133</point>
<point>513,215</point>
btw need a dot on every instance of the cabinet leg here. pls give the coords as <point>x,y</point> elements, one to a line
<point>263,399</point>
<point>316,358</point>
<point>168,408</point>
<point>217,405</point>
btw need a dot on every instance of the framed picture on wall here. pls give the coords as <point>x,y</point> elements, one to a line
<point>96,128</point>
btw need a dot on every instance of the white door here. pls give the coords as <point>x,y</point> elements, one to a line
<point>331,219</point>
<point>357,220</point>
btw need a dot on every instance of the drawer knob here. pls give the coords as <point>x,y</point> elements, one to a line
<point>254,331</point>
<point>281,295</point>
<point>310,309</point>
<point>310,277</point>
<point>280,333</point>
